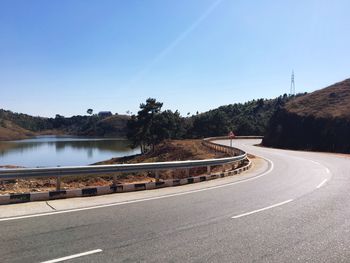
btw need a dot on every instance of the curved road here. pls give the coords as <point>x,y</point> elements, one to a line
<point>295,206</point>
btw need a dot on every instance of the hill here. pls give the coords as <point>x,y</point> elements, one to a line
<point>249,118</point>
<point>330,102</point>
<point>20,126</point>
<point>317,121</point>
<point>10,131</point>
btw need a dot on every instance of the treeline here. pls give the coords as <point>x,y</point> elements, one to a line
<point>250,118</point>
<point>151,125</point>
<point>93,125</point>
<point>25,121</point>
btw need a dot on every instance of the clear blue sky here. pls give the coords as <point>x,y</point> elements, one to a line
<point>65,56</point>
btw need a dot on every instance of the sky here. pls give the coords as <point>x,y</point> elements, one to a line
<point>63,56</point>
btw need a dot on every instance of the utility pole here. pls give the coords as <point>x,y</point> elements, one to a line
<point>292,85</point>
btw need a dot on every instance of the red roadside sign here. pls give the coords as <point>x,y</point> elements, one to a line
<point>231,135</point>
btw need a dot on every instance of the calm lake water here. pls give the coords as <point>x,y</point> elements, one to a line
<point>46,151</point>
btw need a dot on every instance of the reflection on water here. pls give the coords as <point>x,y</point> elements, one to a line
<point>47,151</point>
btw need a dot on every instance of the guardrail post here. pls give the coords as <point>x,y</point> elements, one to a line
<point>115,179</point>
<point>58,183</point>
<point>187,172</point>
<point>157,175</point>
<point>208,169</point>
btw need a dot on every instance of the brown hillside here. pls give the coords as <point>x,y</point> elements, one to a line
<point>330,102</point>
<point>11,131</point>
<point>318,121</point>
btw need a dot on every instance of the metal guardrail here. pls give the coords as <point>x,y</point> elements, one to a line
<point>59,172</point>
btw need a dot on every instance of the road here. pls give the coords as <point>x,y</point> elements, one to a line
<point>296,207</point>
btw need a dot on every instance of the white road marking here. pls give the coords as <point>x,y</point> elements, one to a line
<point>316,162</point>
<point>73,256</point>
<point>139,200</point>
<point>322,183</point>
<point>328,171</point>
<point>262,209</point>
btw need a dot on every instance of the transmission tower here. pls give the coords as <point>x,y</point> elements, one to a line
<point>292,85</point>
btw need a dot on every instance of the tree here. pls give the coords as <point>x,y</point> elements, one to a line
<point>140,126</point>
<point>89,111</point>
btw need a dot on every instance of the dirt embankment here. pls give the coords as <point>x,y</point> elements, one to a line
<point>169,151</point>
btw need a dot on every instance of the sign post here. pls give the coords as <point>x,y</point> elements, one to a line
<point>231,135</point>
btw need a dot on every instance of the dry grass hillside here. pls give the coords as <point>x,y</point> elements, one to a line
<point>173,150</point>
<point>317,121</point>
<point>11,131</point>
<point>330,102</point>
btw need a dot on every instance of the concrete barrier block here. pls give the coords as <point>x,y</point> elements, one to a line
<point>161,184</point>
<point>176,182</point>
<point>190,180</point>
<point>89,191</point>
<point>39,196</point>
<point>116,188</point>
<point>102,190</point>
<point>57,194</point>
<point>168,183</point>
<point>202,178</point>
<point>196,179</point>
<point>4,199</point>
<point>183,181</point>
<point>19,198</point>
<point>150,185</point>
<point>139,187</point>
<point>128,187</point>
<point>73,193</point>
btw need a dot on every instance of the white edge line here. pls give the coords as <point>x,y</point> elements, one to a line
<point>322,183</point>
<point>73,256</point>
<point>262,209</point>
<point>141,200</point>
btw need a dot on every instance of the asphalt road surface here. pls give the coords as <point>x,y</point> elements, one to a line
<point>296,208</point>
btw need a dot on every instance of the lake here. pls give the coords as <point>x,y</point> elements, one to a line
<point>50,151</point>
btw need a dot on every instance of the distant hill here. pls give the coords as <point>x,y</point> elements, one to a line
<point>9,131</point>
<point>20,126</point>
<point>317,121</point>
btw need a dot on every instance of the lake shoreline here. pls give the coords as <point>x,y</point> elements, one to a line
<point>62,150</point>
